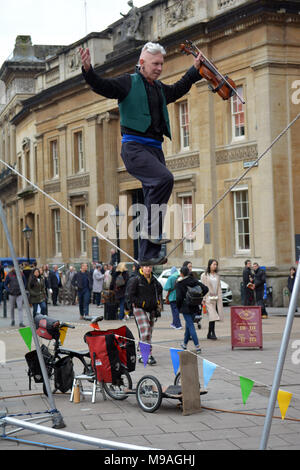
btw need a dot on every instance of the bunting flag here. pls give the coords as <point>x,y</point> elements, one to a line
<point>175,358</point>
<point>246,387</point>
<point>283,399</point>
<point>145,349</point>
<point>208,370</point>
<point>26,334</point>
<point>62,334</point>
<point>95,326</point>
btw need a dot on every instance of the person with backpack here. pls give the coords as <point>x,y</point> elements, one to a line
<point>118,284</point>
<point>213,299</point>
<point>189,294</point>
<point>170,287</point>
<point>144,294</point>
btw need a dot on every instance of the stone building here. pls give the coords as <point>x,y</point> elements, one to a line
<point>66,139</point>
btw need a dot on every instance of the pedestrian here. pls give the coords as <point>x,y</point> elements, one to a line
<point>144,120</point>
<point>259,283</point>
<point>37,292</point>
<point>114,257</point>
<point>144,292</point>
<point>188,311</point>
<point>2,279</point>
<point>98,277</point>
<point>291,281</point>
<point>248,286</point>
<point>170,287</point>
<point>118,284</point>
<point>70,289</point>
<point>83,281</point>
<point>12,286</point>
<point>213,299</point>
<point>54,284</point>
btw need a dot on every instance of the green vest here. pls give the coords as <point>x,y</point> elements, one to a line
<point>134,109</point>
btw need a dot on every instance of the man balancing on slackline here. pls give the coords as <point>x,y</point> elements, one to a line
<point>144,119</point>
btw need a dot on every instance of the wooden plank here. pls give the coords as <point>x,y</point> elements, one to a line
<point>190,385</point>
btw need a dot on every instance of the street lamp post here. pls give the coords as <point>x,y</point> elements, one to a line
<point>27,232</point>
<point>117,217</point>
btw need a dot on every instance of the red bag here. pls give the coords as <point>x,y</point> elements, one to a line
<point>105,357</point>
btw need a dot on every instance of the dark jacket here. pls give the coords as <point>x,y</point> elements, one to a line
<point>247,276</point>
<point>290,283</point>
<point>119,88</point>
<point>12,284</point>
<point>144,294</point>
<point>181,290</point>
<point>259,282</point>
<point>54,283</point>
<point>36,289</point>
<point>78,280</point>
<point>119,291</point>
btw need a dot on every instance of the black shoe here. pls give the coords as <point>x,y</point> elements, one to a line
<point>211,336</point>
<point>151,361</point>
<point>153,261</point>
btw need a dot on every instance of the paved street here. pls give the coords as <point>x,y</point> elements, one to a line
<point>223,423</point>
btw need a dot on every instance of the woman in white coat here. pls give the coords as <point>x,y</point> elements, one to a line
<point>213,299</point>
<point>98,277</point>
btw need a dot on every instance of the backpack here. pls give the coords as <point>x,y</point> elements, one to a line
<point>120,282</point>
<point>64,374</point>
<point>195,294</point>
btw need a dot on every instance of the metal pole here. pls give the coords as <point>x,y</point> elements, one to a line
<point>93,441</point>
<point>281,359</point>
<point>57,418</point>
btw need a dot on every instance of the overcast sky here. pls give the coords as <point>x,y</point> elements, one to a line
<point>56,21</point>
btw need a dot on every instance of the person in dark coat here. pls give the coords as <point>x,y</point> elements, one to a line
<point>144,119</point>
<point>145,296</point>
<point>83,281</point>
<point>12,286</point>
<point>118,284</point>
<point>259,282</point>
<point>54,282</point>
<point>248,278</point>
<point>37,292</point>
<point>187,279</point>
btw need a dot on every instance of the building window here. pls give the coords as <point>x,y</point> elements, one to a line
<point>187,223</point>
<point>54,163</point>
<point>27,164</point>
<point>237,116</point>
<point>184,125</point>
<point>79,160</point>
<point>242,222</point>
<point>57,232</point>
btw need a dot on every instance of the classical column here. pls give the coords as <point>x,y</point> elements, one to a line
<point>110,182</point>
<point>63,196</point>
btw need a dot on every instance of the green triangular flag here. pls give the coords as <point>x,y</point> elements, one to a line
<point>26,334</point>
<point>246,387</point>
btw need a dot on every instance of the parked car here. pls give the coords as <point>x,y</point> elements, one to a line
<point>226,291</point>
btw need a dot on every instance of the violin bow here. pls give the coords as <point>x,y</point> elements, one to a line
<point>191,44</point>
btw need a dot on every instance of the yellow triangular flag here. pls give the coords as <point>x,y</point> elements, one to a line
<point>283,399</point>
<point>62,334</point>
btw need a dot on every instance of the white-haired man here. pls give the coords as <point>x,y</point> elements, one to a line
<point>144,120</point>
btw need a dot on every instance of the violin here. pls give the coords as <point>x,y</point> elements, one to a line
<point>218,83</point>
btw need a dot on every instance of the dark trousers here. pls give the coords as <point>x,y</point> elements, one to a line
<point>54,295</point>
<point>84,296</point>
<point>147,164</point>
